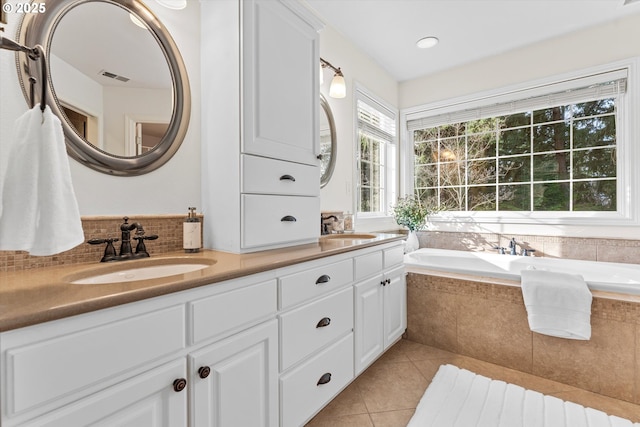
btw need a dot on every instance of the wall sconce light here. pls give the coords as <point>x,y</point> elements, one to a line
<point>338,88</point>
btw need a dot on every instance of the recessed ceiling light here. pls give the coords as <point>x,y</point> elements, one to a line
<point>427,42</point>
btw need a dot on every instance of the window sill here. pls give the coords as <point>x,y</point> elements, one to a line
<point>610,225</point>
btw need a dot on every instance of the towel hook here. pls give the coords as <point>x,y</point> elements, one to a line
<point>35,53</point>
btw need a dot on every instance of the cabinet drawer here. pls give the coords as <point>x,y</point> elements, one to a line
<point>273,220</point>
<point>51,369</point>
<point>314,282</point>
<point>218,314</point>
<point>269,176</point>
<point>393,256</point>
<point>302,395</point>
<point>367,265</point>
<point>314,325</point>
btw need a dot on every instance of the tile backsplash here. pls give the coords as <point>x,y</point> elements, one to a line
<point>169,230</point>
<point>167,227</point>
<point>589,249</point>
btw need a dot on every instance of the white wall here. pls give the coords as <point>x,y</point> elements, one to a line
<point>168,190</point>
<point>145,105</point>
<point>338,195</point>
<point>79,91</point>
<point>594,46</point>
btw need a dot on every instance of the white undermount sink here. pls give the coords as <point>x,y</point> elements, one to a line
<point>140,273</point>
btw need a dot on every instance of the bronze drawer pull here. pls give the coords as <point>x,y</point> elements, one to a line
<point>288,218</point>
<point>325,321</point>
<point>323,279</point>
<point>287,178</point>
<point>324,379</point>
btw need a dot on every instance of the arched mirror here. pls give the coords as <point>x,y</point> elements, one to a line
<point>328,143</point>
<point>116,80</point>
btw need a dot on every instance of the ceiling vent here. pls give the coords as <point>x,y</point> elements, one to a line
<point>114,76</point>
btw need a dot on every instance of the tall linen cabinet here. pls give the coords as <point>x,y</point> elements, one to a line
<point>260,121</point>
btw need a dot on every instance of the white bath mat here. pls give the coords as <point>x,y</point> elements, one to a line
<point>459,398</point>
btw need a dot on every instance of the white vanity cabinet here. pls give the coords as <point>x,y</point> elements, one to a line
<point>139,364</point>
<point>380,304</point>
<point>260,124</point>
<point>266,350</point>
<point>114,354</point>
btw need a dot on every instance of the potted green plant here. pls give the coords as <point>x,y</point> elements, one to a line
<point>410,212</point>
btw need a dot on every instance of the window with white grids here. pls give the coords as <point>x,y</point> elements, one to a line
<point>555,151</point>
<point>376,156</point>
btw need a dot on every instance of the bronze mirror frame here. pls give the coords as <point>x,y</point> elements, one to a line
<point>326,108</point>
<point>38,29</point>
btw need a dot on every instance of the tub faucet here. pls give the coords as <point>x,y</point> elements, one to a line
<point>513,249</point>
<point>512,246</point>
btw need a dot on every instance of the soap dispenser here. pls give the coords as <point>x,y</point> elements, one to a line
<point>192,232</point>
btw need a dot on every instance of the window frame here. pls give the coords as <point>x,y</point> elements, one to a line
<point>392,153</point>
<point>628,188</point>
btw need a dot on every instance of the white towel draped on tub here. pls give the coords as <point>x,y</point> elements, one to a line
<point>38,208</point>
<point>558,304</point>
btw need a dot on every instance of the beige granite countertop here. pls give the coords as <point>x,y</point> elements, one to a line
<point>39,295</point>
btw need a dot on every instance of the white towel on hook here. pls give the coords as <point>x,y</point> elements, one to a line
<point>38,207</point>
<point>558,304</point>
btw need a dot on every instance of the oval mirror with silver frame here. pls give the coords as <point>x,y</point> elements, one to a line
<point>152,70</point>
<point>328,142</point>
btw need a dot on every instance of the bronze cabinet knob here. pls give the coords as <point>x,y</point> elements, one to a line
<point>179,384</point>
<point>204,372</point>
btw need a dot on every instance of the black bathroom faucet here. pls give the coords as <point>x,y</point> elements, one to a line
<point>324,223</point>
<point>126,251</point>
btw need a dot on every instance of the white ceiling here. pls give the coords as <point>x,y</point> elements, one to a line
<point>469,30</point>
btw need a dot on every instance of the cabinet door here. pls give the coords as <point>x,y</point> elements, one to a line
<point>369,342</point>
<point>280,99</point>
<point>241,387</point>
<point>146,400</point>
<point>395,305</point>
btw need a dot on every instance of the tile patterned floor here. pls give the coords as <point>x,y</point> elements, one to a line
<point>387,393</point>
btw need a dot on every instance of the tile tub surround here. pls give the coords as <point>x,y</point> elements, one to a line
<point>167,227</point>
<point>588,249</point>
<point>487,320</point>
